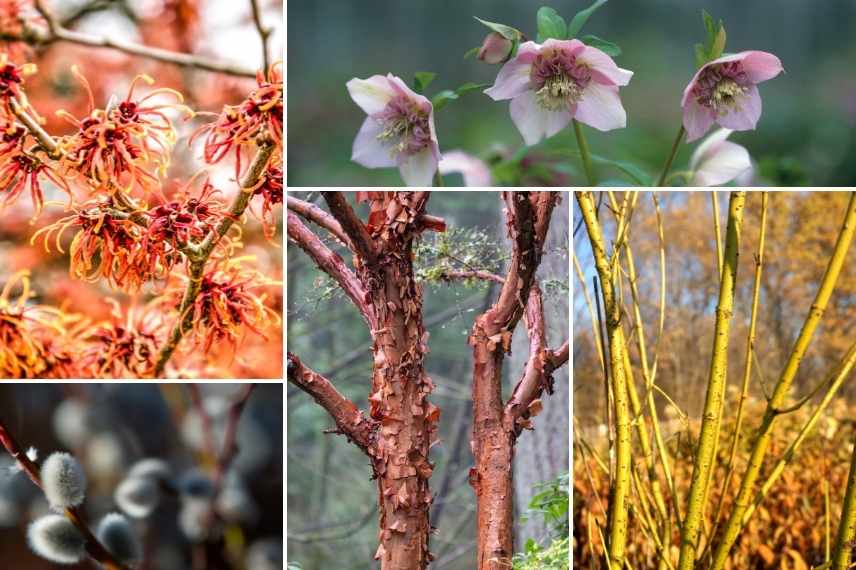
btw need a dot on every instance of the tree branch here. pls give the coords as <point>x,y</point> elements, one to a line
<point>57,33</point>
<point>319,217</point>
<point>330,263</point>
<point>351,422</point>
<point>361,241</point>
<point>94,548</point>
<point>198,255</point>
<point>264,32</point>
<point>453,275</point>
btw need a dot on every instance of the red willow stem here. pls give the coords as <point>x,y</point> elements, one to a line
<point>94,548</point>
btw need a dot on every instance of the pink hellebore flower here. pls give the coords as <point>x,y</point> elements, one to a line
<point>475,172</point>
<point>551,84</point>
<point>717,161</point>
<point>399,130</point>
<point>724,91</point>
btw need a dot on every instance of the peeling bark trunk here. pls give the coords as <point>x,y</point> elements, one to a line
<point>398,401</point>
<point>492,444</point>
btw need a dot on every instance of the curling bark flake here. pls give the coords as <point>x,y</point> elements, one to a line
<point>496,425</point>
<point>402,423</point>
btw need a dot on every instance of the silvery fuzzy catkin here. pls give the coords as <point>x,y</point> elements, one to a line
<point>137,496</point>
<point>63,481</point>
<point>152,468</point>
<point>120,540</point>
<point>55,537</point>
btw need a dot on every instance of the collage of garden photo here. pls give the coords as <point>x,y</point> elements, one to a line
<point>531,285</point>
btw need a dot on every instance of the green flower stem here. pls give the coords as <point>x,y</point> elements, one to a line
<point>847,526</point>
<point>585,155</point>
<point>438,179</point>
<point>668,166</point>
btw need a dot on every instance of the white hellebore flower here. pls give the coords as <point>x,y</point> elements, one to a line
<point>551,84</point>
<point>717,161</point>
<point>399,130</point>
<point>475,171</point>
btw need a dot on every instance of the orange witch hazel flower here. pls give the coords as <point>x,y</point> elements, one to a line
<point>238,125</point>
<point>117,145</point>
<point>20,169</point>
<point>105,245</point>
<point>32,338</point>
<point>270,189</point>
<point>228,303</point>
<point>124,346</point>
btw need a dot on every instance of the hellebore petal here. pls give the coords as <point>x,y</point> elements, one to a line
<point>600,107</point>
<point>513,78</point>
<point>534,121</point>
<point>745,116</point>
<point>475,172</point>
<point>604,69</point>
<point>419,169</point>
<point>371,94</point>
<point>368,150</point>
<point>697,120</point>
<point>718,161</point>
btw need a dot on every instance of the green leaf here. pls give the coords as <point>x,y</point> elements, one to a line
<point>580,19</point>
<point>700,55</point>
<point>471,52</point>
<point>507,32</point>
<point>718,44</point>
<point>633,171</point>
<point>714,43</point>
<point>422,79</point>
<point>444,97</point>
<point>550,25</point>
<point>603,45</point>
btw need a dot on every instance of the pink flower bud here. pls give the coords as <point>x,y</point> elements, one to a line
<point>495,48</point>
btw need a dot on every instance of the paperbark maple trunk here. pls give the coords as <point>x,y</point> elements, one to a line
<point>398,402</point>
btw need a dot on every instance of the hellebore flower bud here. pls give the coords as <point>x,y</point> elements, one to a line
<point>117,536</point>
<point>55,538</point>
<point>63,480</point>
<point>495,48</point>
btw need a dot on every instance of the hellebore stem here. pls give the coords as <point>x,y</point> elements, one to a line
<point>668,166</point>
<point>584,154</point>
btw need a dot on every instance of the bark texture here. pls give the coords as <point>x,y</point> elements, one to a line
<point>400,426</point>
<point>497,424</point>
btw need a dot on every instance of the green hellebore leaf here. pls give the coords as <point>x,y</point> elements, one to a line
<point>422,79</point>
<point>471,52</point>
<point>507,32</point>
<point>581,17</point>
<point>443,98</point>
<point>550,24</point>
<point>603,45</point>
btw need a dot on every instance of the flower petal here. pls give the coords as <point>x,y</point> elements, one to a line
<point>746,116</point>
<point>708,147</point>
<point>513,77</point>
<point>476,172</point>
<point>697,119</point>
<point>534,121</point>
<point>600,107</point>
<point>418,169</point>
<point>728,162</point>
<point>603,67</point>
<point>761,66</point>
<point>371,94</point>
<point>368,151</point>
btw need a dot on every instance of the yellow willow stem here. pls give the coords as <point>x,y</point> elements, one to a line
<point>780,392</point>
<point>716,229</point>
<point>747,362</point>
<point>835,380</point>
<point>662,321</point>
<point>844,539</point>
<point>659,443</point>
<point>585,155</point>
<point>579,273</point>
<point>712,417</point>
<point>618,507</point>
<point>827,556</point>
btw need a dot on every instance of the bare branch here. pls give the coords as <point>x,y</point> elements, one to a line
<point>351,422</point>
<point>471,274</point>
<point>57,33</point>
<point>360,240</point>
<point>264,32</point>
<point>319,217</point>
<point>330,263</point>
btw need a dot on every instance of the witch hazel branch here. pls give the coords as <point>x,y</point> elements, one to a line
<point>562,79</point>
<point>129,233</point>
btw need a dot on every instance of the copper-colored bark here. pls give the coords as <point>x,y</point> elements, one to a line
<point>402,423</point>
<point>496,424</point>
